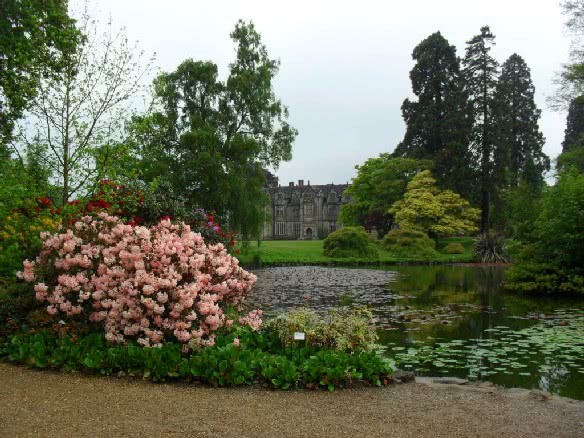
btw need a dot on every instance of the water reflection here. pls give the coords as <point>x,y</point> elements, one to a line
<point>453,320</point>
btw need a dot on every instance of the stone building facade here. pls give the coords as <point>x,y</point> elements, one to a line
<point>303,212</point>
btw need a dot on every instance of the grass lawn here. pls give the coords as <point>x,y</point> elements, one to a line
<point>274,252</point>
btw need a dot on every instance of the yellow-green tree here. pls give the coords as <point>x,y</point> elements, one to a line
<point>437,212</point>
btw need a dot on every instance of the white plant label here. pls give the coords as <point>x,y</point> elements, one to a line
<point>299,336</point>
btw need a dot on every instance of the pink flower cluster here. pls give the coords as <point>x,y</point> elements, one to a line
<point>151,283</point>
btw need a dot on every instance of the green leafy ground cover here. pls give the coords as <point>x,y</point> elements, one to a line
<point>259,358</point>
<point>275,252</point>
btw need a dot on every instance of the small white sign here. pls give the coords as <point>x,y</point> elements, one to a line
<point>299,336</point>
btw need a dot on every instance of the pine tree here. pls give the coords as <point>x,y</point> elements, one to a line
<point>436,125</point>
<point>572,155</point>
<point>574,124</point>
<point>518,146</point>
<point>480,71</point>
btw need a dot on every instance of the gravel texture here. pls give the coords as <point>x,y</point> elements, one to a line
<point>49,404</point>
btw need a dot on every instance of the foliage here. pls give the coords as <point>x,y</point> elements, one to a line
<point>20,232</point>
<point>211,139</point>
<point>453,248</point>
<point>521,205</point>
<point>573,145</point>
<point>436,124</point>
<point>570,81</point>
<point>544,278</point>
<point>154,284</point>
<point>349,242</point>
<point>489,247</point>
<point>379,183</point>
<point>574,124</point>
<point>17,302</point>
<point>33,39</point>
<point>78,115</point>
<point>347,330</point>
<point>518,145</point>
<point>573,158</point>
<point>426,208</point>
<point>409,243</point>
<point>551,258</point>
<point>480,70</point>
<point>225,364</point>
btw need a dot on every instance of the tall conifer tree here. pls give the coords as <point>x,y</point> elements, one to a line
<point>480,71</point>
<point>518,151</point>
<point>436,124</point>
<point>574,125</point>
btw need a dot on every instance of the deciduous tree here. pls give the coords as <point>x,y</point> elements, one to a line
<point>436,212</point>
<point>379,183</point>
<point>212,139</point>
<point>78,115</point>
<point>34,35</point>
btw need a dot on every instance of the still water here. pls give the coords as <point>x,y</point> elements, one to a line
<point>448,321</point>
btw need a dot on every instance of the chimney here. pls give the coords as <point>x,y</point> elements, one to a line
<point>291,184</point>
<point>301,183</point>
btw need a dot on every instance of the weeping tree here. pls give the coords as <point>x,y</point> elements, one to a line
<point>77,116</point>
<point>213,139</point>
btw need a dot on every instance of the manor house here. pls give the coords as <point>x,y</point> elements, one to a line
<point>303,211</point>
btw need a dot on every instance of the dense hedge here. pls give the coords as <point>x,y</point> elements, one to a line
<point>453,248</point>
<point>251,358</point>
<point>409,243</point>
<point>350,242</point>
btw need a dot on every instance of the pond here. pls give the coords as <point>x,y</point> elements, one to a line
<point>448,321</point>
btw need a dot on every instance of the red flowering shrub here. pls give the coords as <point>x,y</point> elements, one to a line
<point>152,284</point>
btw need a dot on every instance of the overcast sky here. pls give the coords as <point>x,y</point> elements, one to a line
<point>345,65</point>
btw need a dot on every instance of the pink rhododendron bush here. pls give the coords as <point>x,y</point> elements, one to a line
<point>150,284</point>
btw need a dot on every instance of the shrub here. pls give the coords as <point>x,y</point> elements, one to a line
<point>224,364</point>
<point>152,284</point>
<point>17,301</point>
<point>539,278</point>
<point>350,242</point>
<point>489,247</point>
<point>19,232</point>
<point>453,248</point>
<point>342,330</point>
<point>409,243</point>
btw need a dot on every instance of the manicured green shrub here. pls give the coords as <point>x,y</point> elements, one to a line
<point>489,247</point>
<point>342,329</point>
<point>453,248</point>
<point>409,243</point>
<point>350,242</point>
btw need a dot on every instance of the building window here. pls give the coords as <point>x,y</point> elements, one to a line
<point>308,209</point>
<point>297,229</point>
<point>280,210</point>
<point>333,227</point>
<point>280,228</point>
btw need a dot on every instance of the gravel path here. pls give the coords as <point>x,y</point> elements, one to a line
<point>47,404</point>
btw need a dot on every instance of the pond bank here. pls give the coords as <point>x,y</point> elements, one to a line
<point>40,403</point>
